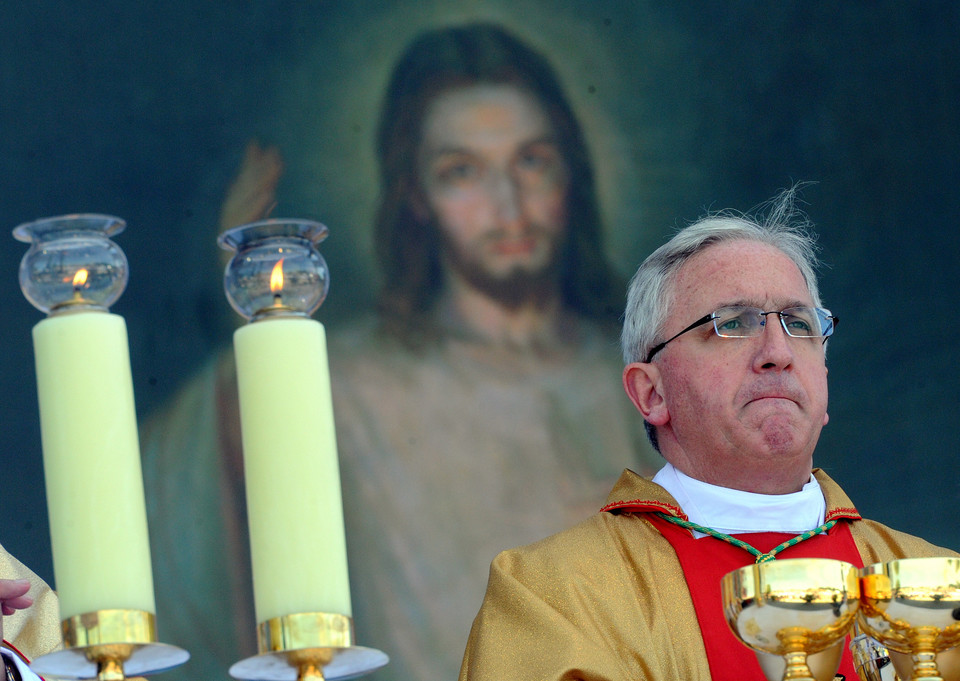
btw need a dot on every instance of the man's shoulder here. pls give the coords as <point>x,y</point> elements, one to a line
<point>602,533</point>
<point>879,543</point>
<point>563,552</point>
<point>597,537</point>
<point>876,541</point>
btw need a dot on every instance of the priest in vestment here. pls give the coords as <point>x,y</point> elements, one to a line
<point>725,343</point>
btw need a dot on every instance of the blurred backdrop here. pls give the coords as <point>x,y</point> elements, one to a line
<point>143,109</point>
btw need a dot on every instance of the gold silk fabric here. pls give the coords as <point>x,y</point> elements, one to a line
<point>34,631</point>
<point>607,601</point>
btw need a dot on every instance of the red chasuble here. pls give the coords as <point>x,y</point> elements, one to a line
<point>705,561</point>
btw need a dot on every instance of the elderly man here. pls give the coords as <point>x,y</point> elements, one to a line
<point>724,338</point>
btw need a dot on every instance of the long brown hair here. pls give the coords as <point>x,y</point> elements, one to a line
<point>407,246</point>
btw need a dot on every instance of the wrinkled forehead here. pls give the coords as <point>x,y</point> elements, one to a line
<point>736,273</point>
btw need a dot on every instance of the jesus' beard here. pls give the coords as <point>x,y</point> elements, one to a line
<point>520,286</point>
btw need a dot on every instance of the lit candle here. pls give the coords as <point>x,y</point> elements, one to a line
<point>294,508</point>
<point>295,513</point>
<point>91,455</point>
<point>91,462</point>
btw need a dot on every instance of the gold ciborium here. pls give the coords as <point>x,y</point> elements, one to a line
<point>792,609</point>
<point>912,606</point>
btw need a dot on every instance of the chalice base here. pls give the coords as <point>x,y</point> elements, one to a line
<point>823,665</point>
<point>948,663</point>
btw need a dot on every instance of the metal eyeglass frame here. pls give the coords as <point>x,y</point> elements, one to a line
<point>828,323</point>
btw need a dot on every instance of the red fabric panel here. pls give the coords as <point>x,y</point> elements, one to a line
<point>705,561</point>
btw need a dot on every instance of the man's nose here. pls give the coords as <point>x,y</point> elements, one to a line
<point>775,350</point>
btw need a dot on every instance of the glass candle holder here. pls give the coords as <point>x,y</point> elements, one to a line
<point>276,269</point>
<point>72,264</point>
<point>298,552</point>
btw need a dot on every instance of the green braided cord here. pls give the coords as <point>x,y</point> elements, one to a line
<point>761,557</point>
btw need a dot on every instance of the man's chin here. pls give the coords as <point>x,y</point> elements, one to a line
<point>783,438</point>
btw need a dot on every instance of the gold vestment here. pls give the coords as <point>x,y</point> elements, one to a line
<point>607,600</point>
<point>34,631</point>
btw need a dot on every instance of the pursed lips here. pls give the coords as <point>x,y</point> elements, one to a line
<point>780,392</point>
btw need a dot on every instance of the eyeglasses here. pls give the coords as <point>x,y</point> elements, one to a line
<point>738,321</point>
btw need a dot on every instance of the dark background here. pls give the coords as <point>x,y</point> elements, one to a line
<point>142,110</point>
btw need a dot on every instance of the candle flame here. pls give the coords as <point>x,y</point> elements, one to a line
<point>80,278</point>
<point>276,278</point>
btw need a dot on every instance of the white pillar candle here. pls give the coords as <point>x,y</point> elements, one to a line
<point>295,512</point>
<point>91,460</point>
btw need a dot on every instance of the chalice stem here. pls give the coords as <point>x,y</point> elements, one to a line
<point>925,666</point>
<point>924,645</point>
<point>797,668</point>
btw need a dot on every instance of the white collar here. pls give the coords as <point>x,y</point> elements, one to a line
<point>733,511</point>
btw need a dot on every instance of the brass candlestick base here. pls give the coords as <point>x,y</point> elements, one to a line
<point>314,646</point>
<point>110,645</point>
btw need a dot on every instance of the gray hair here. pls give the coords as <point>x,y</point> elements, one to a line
<point>650,293</point>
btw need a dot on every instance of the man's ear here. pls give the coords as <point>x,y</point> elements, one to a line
<point>642,382</point>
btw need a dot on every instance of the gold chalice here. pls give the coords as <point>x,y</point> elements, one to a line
<point>793,609</point>
<point>912,606</point>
